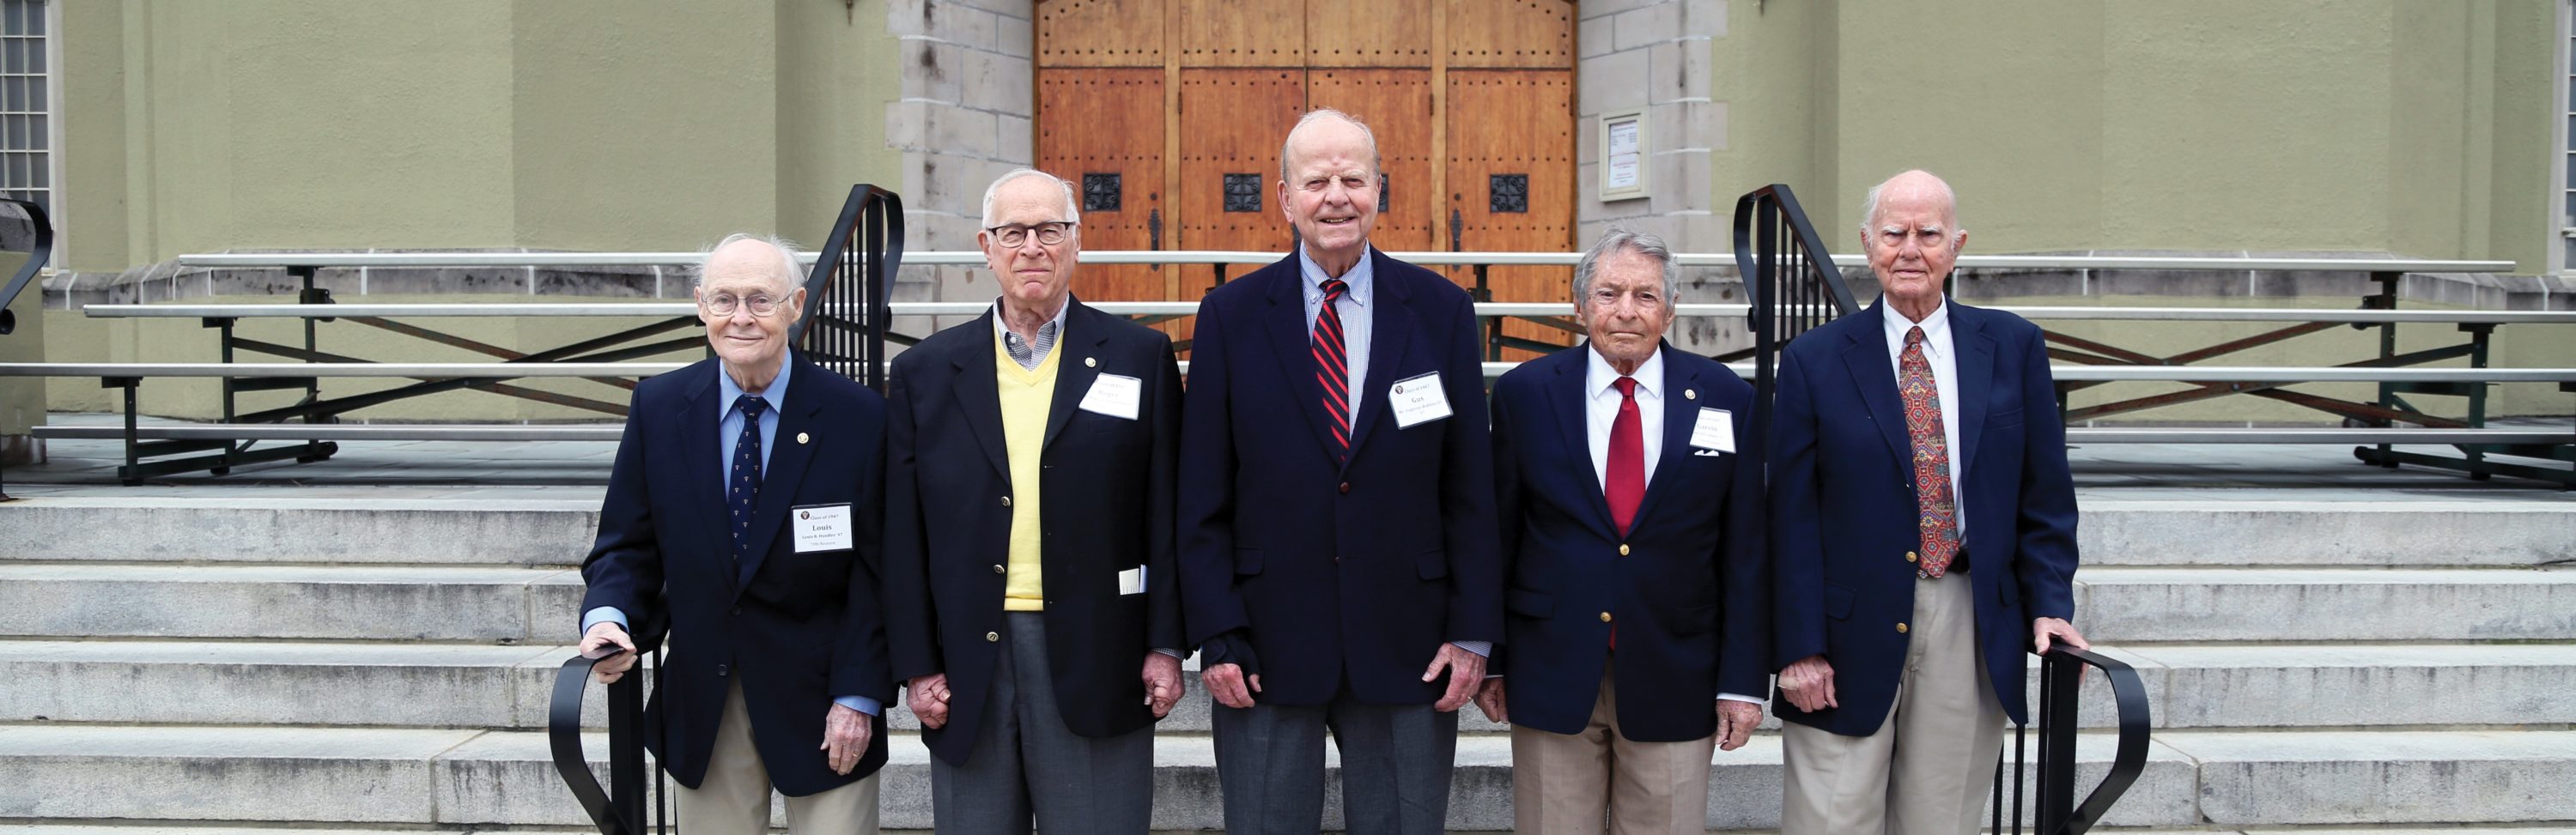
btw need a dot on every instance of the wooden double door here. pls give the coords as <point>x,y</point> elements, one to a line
<point>1168,115</point>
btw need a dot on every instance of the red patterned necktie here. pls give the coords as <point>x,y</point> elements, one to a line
<point>1332,367</point>
<point>1931,457</point>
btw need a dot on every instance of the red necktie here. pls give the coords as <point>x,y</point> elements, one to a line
<point>1332,369</point>
<point>1624,485</point>
<point>1938,521</point>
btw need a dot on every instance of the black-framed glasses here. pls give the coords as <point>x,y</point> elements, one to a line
<point>724,304</point>
<point>1013,234</point>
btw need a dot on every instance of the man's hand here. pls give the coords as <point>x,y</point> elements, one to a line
<point>1809,683</point>
<point>928,698</point>
<point>2045,631</point>
<point>1490,699</point>
<point>1232,674</point>
<point>845,738</point>
<point>1466,674</point>
<point>1163,684</point>
<point>598,643</point>
<point>1735,721</point>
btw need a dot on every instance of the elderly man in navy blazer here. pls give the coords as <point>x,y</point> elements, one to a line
<point>1338,559</point>
<point>1925,537</point>
<point>743,514</point>
<point>1637,632</point>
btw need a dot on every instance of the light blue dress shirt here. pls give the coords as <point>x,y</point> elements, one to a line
<point>728,432</point>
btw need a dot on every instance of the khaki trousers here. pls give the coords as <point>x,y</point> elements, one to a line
<point>734,798</point>
<point>1929,767</point>
<point>1567,783</point>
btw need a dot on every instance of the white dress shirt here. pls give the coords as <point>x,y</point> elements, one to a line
<point>1942,354</point>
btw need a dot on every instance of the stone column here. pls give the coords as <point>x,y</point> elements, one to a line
<point>1656,55</point>
<point>965,117</point>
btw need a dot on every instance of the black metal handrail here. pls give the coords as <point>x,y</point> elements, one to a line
<point>617,809</point>
<point>1790,282</point>
<point>2061,676</point>
<point>37,255</point>
<point>846,296</point>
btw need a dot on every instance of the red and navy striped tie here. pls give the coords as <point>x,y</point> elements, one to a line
<point>1332,367</point>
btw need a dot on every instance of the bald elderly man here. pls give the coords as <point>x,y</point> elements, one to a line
<point>743,514</point>
<point>1339,560</point>
<point>1924,537</point>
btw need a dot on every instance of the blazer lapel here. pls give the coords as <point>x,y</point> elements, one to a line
<point>1073,376</point>
<point>979,398</point>
<point>1569,393</point>
<point>1976,361</point>
<point>1681,413</point>
<point>778,480</point>
<point>1875,378</point>
<point>701,456</point>
<point>1290,343</point>
<point>1391,326</point>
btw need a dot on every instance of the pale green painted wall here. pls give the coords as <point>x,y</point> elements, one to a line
<point>2417,128</point>
<point>570,124</point>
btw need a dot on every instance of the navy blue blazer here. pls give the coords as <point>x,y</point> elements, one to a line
<point>1106,484</point>
<point>794,629</point>
<point>1363,569</point>
<point>1690,597</point>
<point>1843,497</point>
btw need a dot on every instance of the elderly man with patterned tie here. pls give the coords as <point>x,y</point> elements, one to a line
<point>1924,537</point>
<point>743,515</point>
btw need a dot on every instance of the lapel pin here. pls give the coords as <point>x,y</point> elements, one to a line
<point>1089,362</point>
<point>802,437</point>
<point>1690,394</point>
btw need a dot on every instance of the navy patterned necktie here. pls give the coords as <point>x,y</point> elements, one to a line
<point>742,487</point>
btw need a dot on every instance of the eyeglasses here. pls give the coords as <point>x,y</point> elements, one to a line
<point>724,304</point>
<point>1013,235</point>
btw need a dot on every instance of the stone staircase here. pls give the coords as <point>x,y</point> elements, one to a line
<point>317,665</point>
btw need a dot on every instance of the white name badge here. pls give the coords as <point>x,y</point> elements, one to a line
<point>1132,581</point>
<point>1418,400</point>
<point>821,527</point>
<point>1114,395</point>
<point>1715,430</point>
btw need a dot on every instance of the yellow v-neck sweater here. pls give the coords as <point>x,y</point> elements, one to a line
<point>1026,397</point>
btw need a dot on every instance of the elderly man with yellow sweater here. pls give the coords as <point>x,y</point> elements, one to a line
<point>1029,583</point>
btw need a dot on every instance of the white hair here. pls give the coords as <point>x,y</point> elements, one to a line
<point>1869,209</point>
<point>790,272</point>
<point>1072,209</point>
<point>1619,240</point>
<point>1320,114</point>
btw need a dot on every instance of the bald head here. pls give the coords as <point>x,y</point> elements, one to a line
<point>1325,128</point>
<point>1910,231</point>
<point>1912,186</point>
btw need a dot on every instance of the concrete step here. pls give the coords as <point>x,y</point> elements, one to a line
<point>311,530</point>
<point>2124,605</point>
<point>2385,777</point>
<point>477,778</point>
<point>466,603</point>
<point>2291,686</point>
<point>2501,532</point>
<point>2146,532</point>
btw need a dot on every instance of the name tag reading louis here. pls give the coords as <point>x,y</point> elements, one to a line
<point>1113,395</point>
<point>1715,430</point>
<point>1418,400</point>
<point>821,527</point>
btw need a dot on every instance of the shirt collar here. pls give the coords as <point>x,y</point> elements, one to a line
<point>776,393</point>
<point>1361,277</point>
<point>1936,327</point>
<point>1000,329</point>
<point>1598,375</point>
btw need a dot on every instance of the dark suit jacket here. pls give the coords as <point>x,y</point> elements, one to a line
<point>1691,596</point>
<point>794,629</point>
<point>1362,569</point>
<point>1106,484</point>
<point>1843,494</point>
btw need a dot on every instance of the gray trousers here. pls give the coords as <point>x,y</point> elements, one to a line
<point>1027,763</point>
<point>1395,767</point>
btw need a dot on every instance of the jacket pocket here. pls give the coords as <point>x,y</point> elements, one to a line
<point>1694,620</point>
<point>1247,560</point>
<point>1433,564</point>
<point>1527,603</point>
<point>2001,420</point>
<point>1838,602</point>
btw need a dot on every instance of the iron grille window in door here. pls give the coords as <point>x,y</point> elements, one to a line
<point>26,171</point>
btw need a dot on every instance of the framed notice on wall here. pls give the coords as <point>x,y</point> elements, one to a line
<point>1623,155</point>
